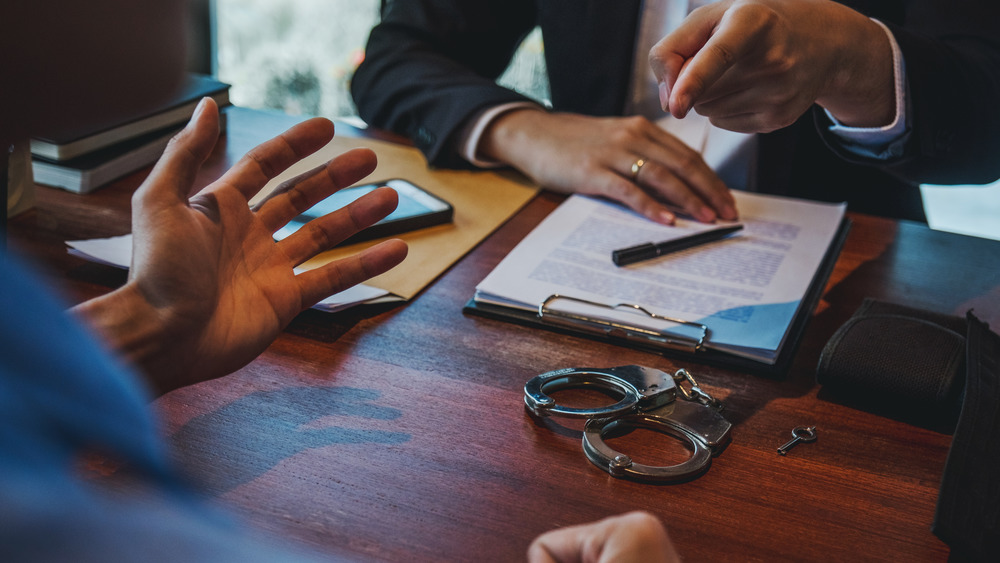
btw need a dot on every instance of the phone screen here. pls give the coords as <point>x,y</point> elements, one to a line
<point>417,209</point>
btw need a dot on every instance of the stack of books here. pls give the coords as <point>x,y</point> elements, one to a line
<point>83,160</point>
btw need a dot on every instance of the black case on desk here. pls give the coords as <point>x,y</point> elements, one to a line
<point>704,356</point>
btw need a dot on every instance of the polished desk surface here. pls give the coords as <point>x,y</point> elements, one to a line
<point>398,432</point>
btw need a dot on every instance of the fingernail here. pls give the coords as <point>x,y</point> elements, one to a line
<point>200,108</point>
<point>706,215</point>
<point>681,108</point>
<point>666,217</point>
<point>664,96</point>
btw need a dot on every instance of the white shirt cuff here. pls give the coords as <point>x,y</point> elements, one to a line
<point>879,142</point>
<point>469,137</point>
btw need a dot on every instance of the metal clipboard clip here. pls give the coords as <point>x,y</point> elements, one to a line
<point>607,327</point>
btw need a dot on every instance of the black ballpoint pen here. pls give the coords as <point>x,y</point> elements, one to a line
<point>638,253</point>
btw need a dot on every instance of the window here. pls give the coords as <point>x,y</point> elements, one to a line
<point>298,56</point>
<point>293,55</point>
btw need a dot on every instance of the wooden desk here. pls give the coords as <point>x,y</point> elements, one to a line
<point>398,433</point>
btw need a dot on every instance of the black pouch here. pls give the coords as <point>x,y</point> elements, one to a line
<point>908,361</point>
<point>935,367</point>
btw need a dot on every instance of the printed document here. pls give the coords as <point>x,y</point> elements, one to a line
<point>746,288</point>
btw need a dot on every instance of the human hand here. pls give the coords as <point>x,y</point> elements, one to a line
<point>757,65</point>
<point>593,155</point>
<point>208,287</point>
<point>633,537</point>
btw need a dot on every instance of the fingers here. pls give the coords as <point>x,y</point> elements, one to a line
<point>677,173</point>
<point>670,57</point>
<point>752,101</point>
<point>754,111</point>
<point>626,192</point>
<point>337,276</point>
<point>269,159</point>
<point>326,232</point>
<point>673,174</point>
<point>632,537</point>
<point>297,195</point>
<point>673,179</point>
<point>667,184</point>
<point>703,48</point>
<point>175,172</point>
<point>656,184</point>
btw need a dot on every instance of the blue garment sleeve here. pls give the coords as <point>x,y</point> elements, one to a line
<point>62,394</point>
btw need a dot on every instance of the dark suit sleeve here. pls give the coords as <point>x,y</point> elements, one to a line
<point>952,57</point>
<point>430,65</point>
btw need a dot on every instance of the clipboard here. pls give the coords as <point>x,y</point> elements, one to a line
<point>671,348</point>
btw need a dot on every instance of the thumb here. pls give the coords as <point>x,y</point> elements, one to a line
<point>671,55</point>
<point>176,170</point>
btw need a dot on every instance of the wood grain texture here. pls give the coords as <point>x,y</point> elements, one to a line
<point>398,433</point>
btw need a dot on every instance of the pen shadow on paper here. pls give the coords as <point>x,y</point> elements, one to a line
<point>248,437</point>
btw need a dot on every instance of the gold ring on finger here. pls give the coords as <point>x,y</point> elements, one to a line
<point>636,167</point>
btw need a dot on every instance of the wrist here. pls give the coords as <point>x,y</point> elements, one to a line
<point>862,89</point>
<point>508,135</point>
<point>470,137</point>
<point>131,328</point>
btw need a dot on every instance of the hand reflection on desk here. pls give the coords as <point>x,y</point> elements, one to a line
<point>248,437</point>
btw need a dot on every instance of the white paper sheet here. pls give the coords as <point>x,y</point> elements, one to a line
<point>117,251</point>
<point>746,288</point>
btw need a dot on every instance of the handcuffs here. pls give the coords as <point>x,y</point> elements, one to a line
<point>648,401</point>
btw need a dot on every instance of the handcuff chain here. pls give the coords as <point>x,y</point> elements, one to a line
<point>695,394</point>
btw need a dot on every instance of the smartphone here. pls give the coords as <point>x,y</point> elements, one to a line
<point>417,209</point>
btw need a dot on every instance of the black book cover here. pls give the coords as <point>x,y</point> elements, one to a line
<point>74,142</point>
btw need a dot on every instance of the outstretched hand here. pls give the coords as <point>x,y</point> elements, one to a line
<point>209,288</point>
<point>757,65</point>
<point>635,537</point>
